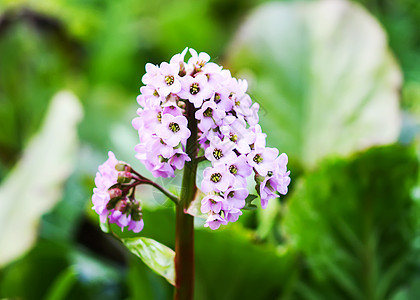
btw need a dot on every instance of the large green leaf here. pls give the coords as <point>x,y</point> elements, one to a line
<point>54,270</point>
<point>36,182</point>
<point>157,256</point>
<point>230,264</point>
<point>323,75</point>
<point>353,221</point>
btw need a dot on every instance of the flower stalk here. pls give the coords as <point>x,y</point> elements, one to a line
<point>184,240</point>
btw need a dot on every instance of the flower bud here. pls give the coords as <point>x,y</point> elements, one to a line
<point>136,214</point>
<point>124,177</point>
<point>114,193</point>
<point>122,205</point>
<point>120,166</point>
<point>258,178</point>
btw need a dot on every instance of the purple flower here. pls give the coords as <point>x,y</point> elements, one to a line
<point>106,177</point>
<point>258,137</point>
<point>205,137</point>
<point>235,129</point>
<point>167,80</point>
<point>216,179</point>
<point>127,214</point>
<point>149,97</point>
<point>276,181</point>
<point>221,98</point>
<point>238,90</point>
<point>209,116</point>
<point>151,72</point>
<point>252,118</point>
<point>262,159</point>
<point>214,221</point>
<point>220,151</point>
<point>213,73</point>
<point>195,89</point>
<point>232,215</point>
<point>211,203</point>
<point>242,105</point>
<point>162,169</point>
<point>155,163</point>
<point>179,59</point>
<point>267,192</point>
<point>148,118</point>
<point>179,158</point>
<point>198,60</point>
<point>136,226</point>
<point>171,108</point>
<point>109,201</point>
<point>159,147</point>
<point>173,130</point>
<point>240,168</point>
<point>235,197</point>
<point>281,175</point>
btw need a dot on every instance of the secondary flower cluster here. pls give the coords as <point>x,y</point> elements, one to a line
<point>229,134</point>
<point>113,196</point>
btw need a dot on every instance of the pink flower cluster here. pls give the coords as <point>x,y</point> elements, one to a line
<point>110,201</point>
<point>229,134</point>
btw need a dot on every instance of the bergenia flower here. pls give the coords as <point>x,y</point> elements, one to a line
<point>167,80</point>
<point>196,89</point>
<point>220,151</point>
<point>228,134</point>
<point>173,130</point>
<point>214,221</point>
<point>211,203</point>
<point>217,179</point>
<point>262,159</point>
<point>109,200</point>
<point>209,116</point>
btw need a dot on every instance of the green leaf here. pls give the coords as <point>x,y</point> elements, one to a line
<point>230,260</point>
<point>353,222</point>
<point>62,285</point>
<point>323,75</point>
<point>155,255</point>
<point>35,185</point>
<point>248,204</point>
<point>250,198</point>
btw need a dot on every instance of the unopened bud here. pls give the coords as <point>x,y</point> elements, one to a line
<point>181,104</point>
<point>136,215</point>
<point>120,166</point>
<point>258,178</point>
<point>124,177</point>
<point>115,193</point>
<point>122,205</point>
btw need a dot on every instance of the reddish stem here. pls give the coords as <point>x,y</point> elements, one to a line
<point>184,240</point>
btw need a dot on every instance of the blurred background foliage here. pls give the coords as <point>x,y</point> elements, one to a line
<point>339,87</point>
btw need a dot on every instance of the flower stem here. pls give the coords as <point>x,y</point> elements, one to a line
<point>184,240</point>
<point>163,191</point>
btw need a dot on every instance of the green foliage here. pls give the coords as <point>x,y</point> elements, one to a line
<point>230,261</point>
<point>35,183</point>
<point>50,269</point>
<point>155,255</point>
<point>353,223</point>
<point>323,75</point>
<point>29,58</point>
